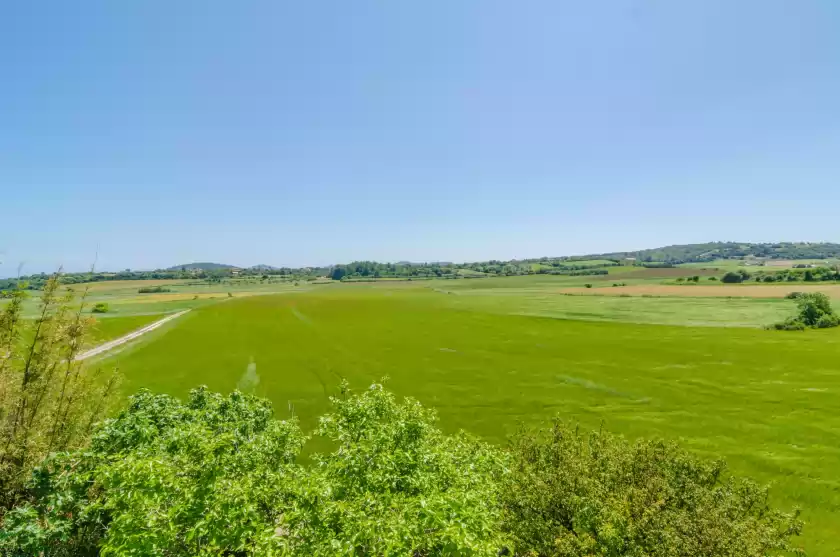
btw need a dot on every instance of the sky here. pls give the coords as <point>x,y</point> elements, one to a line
<point>148,134</point>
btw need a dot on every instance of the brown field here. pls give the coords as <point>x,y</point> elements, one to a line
<point>692,291</point>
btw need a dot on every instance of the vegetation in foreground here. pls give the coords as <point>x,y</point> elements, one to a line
<point>218,476</point>
<point>49,402</point>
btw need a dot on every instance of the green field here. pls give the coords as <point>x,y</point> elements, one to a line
<point>767,401</point>
<point>491,352</point>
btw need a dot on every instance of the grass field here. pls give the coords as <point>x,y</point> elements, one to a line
<point>767,401</point>
<point>649,359</point>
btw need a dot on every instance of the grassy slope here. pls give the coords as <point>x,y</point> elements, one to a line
<point>108,328</point>
<point>767,401</point>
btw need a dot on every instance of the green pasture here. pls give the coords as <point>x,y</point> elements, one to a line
<point>108,328</point>
<point>767,401</point>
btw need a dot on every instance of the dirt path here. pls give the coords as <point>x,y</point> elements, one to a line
<point>102,348</point>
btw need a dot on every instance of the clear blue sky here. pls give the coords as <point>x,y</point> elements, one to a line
<point>295,133</point>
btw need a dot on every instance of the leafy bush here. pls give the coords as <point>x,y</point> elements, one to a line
<point>573,495</point>
<point>814,311</point>
<point>587,285</point>
<point>153,290</point>
<point>789,324</point>
<point>101,307</point>
<point>216,476</point>
<point>732,278</point>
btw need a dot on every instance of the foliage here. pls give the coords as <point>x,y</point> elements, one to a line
<point>734,277</point>
<point>573,495</point>
<point>814,311</point>
<point>48,400</point>
<point>100,307</point>
<point>153,290</point>
<point>216,476</point>
<point>396,485</point>
<point>802,274</point>
<point>698,253</point>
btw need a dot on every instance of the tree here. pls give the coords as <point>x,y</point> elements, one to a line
<point>572,495</point>
<point>814,311</point>
<point>338,273</point>
<point>732,278</point>
<point>217,476</point>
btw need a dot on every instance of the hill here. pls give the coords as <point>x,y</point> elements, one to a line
<point>695,253</point>
<point>203,266</point>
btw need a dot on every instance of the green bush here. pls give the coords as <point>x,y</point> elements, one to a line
<point>814,311</point>
<point>101,307</point>
<point>153,290</point>
<point>218,476</point>
<point>581,495</point>
<point>587,285</point>
<point>732,278</point>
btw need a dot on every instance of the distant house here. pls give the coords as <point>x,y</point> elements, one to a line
<point>235,271</point>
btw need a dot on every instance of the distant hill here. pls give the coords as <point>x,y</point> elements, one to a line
<point>204,266</point>
<point>696,253</point>
<point>263,267</point>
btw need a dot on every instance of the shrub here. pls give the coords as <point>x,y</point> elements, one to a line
<point>732,278</point>
<point>573,495</point>
<point>814,311</point>
<point>153,290</point>
<point>587,285</point>
<point>827,321</point>
<point>49,401</point>
<point>789,324</point>
<point>217,476</point>
<point>713,278</point>
<point>101,307</point>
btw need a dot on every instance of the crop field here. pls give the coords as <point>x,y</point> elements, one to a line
<point>779,290</point>
<point>491,353</point>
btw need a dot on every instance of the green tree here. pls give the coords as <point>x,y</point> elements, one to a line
<point>732,277</point>
<point>576,495</point>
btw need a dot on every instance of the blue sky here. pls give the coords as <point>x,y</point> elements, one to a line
<point>294,133</point>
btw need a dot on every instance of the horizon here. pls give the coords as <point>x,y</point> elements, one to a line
<point>22,272</point>
<point>311,135</point>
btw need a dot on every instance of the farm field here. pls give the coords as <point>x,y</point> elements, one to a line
<point>767,401</point>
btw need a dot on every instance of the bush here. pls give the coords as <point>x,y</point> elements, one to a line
<point>827,321</point>
<point>216,476</point>
<point>587,285</point>
<point>101,307</point>
<point>49,401</point>
<point>153,290</point>
<point>814,311</point>
<point>732,278</point>
<point>713,278</point>
<point>578,495</point>
<point>789,324</point>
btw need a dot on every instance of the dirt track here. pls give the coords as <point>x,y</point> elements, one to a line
<point>691,291</point>
<point>102,348</point>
